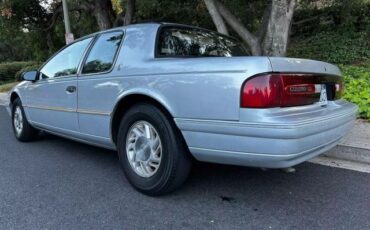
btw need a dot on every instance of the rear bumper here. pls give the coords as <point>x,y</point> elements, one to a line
<point>273,138</point>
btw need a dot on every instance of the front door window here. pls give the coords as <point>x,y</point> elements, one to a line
<point>66,62</point>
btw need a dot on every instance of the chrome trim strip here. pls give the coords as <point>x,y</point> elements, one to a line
<point>93,112</point>
<point>55,79</point>
<point>84,111</point>
<point>62,109</point>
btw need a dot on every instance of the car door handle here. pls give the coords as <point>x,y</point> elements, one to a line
<point>71,89</point>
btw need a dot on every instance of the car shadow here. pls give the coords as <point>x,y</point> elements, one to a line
<point>224,182</point>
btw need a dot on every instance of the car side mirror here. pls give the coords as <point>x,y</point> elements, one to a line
<point>30,75</point>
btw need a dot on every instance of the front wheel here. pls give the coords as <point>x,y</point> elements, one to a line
<point>152,151</point>
<point>22,129</point>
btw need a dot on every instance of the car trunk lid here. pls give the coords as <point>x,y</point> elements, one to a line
<point>297,65</point>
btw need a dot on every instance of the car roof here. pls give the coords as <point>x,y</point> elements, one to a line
<point>142,25</point>
<point>145,25</point>
<point>118,28</point>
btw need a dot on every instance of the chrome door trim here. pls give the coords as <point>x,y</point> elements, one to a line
<point>70,110</point>
<point>93,112</point>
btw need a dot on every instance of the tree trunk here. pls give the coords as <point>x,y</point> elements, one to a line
<point>272,37</point>
<point>276,38</point>
<point>127,16</point>
<point>240,29</point>
<point>103,14</point>
<point>130,12</point>
<point>216,17</point>
<point>49,42</point>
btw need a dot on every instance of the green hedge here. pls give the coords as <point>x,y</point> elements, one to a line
<point>357,88</point>
<point>347,47</point>
<point>8,70</point>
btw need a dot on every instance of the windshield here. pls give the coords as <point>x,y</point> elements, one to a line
<point>193,42</point>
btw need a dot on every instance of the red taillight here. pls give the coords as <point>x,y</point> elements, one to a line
<point>283,90</point>
<point>262,92</point>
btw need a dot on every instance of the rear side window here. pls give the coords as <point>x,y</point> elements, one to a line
<point>103,53</point>
<point>192,42</point>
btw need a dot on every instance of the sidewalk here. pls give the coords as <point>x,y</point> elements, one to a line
<point>355,146</point>
<point>359,136</point>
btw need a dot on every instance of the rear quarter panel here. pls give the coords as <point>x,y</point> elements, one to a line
<point>198,88</point>
<point>192,88</point>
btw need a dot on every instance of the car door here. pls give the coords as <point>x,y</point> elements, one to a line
<point>98,87</point>
<point>52,99</point>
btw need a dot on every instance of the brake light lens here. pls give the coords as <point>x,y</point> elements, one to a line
<point>338,90</point>
<point>283,90</point>
<point>262,92</point>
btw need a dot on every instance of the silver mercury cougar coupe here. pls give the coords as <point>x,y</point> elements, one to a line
<point>162,94</point>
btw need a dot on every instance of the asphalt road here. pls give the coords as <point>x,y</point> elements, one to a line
<point>55,183</point>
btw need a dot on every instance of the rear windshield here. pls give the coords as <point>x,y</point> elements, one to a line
<point>192,42</point>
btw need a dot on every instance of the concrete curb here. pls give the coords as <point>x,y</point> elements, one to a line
<point>355,146</point>
<point>349,154</point>
<point>358,136</point>
<point>339,163</point>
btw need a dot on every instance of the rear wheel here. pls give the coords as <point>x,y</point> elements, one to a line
<point>152,152</point>
<point>23,131</point>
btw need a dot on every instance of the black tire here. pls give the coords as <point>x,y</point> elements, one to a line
<point>27,132</point>
<point>176,162</point>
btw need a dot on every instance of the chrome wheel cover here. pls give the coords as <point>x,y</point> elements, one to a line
<point>18,120</point>
<point>143,149</point>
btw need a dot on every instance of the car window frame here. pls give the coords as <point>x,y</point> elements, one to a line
<point>80,74</point>
<point>164,26</point>
<point>93,36</point>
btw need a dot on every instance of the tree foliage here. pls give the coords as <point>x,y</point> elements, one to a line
<point>34,29</point>
<point>330,30</point>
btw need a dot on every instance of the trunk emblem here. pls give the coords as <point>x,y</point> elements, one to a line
<point>301,89</point>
